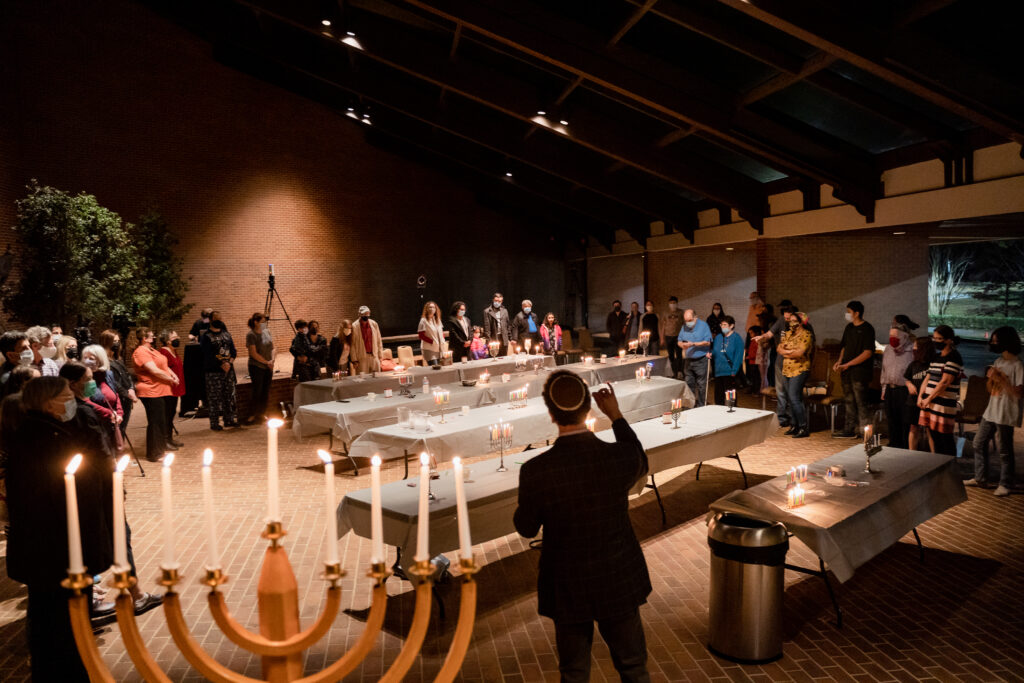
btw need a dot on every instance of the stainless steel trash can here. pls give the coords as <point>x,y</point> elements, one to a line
<point>745,606</point>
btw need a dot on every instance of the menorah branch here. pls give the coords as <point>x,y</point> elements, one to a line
<point>421,619</point>
<point>260,645</point>
<point>464,630</point>
<point>196,656</point>
<point>78,606</point>
<point>133,642</point>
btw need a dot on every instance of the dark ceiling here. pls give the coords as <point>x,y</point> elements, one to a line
<point>605,114</point>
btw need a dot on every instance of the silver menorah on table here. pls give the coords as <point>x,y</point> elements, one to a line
<point>501,441</point>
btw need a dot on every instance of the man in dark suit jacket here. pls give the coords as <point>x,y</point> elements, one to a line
<point>591,566</point>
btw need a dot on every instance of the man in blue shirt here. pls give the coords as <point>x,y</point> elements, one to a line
<point>695,341</point>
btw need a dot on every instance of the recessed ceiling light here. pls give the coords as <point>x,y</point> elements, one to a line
<point>901,232</point>
<point>508,174</point>
<point>542,113</point>
<point>564,123</point>
<point>729,248</point>
<point>326,22</point>
<point>351,40</point>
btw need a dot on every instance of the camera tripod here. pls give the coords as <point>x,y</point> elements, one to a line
<point>271,294</point>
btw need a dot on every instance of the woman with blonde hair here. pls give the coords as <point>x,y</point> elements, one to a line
<point>340,350</point>
<point>67,349</point>
<point>431,333</point>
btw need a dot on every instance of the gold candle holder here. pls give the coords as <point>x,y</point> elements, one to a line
<point>333,573</point>
<point>77,582</point>
<point>123,579</point>
<point>274,532</point>
<point>169,577</point>
<point>213,578</point>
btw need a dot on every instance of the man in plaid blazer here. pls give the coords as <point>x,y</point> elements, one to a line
<point>591,566</point>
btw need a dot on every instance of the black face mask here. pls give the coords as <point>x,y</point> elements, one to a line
<point>71,352</point>
<point>995,347</point>
<point>216,330</point>
<point>115,347</point>
<point>364,318</point>
<point>175,343</point>
<point>618,308</point>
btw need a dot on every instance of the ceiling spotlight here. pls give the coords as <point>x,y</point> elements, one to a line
<point>326,22</point>
<point>564,123</point>
<point>351,40</point>
<point>542,113</point>
<point>508,174</point>
<point>730,248</point>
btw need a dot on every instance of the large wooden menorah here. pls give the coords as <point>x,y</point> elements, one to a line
<point>280,641</point>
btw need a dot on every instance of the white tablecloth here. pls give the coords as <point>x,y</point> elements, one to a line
<point>492,496</point>
<point>847,525</point>
<point>323,390</point>
<point>467,434</point>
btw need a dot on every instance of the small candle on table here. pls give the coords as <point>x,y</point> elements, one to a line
<point>273,499</point>
<point>677,404</point>
<point>867,434</point>
<point>376,515</point>
<point>331,519</point>
<point>423,518</point>
<point>75,565</point>
<point>465,545</point>
<point>168,510</point>
<point>120,543</point>
<point>591,422</point>
<point>622,354</point>
<point>212,553</point>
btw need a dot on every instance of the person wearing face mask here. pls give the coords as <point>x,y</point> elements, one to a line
<point>460,331</point>
<point>367,347</point>
<point>526,326</point>
<point>896,359</point>
<point>95,358</point>
<point>616,326</point>
<point>260,346</point>
<point>756,308</point>
<point>96,417</point>
<point>915,375</point>
<point>219,355</point>
<point>668,331</point>
<point>37,541</point>
<point>1004,410</point>
<point>795,347</point>
<point>119,377</point>
<point>632,326</point>
<point>200,326</point>
<point>153,383</point>
<point>856,363</point>
<point>773,371</point>
<point>168,344</point>
<point>302,366</point>
<point>496,323</point>
<point>695,341</point>
<point>649,324</point>
<point>941,391</point>
<point>340,350</point>
<point>727,355</point>
<point>318,345</point>
<point>431,334</point>
<point>43,350</point>
<point>16,352</point>
<point>67,349</point>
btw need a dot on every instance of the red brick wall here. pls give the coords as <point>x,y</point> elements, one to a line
<point>702,276</point>
<point>109,98</point>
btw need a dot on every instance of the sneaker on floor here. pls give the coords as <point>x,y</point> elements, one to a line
<point>974,482</point>
<point>1001,491</point>
<point>147,602</point>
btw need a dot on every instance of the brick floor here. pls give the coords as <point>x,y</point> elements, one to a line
<point>958,616</point>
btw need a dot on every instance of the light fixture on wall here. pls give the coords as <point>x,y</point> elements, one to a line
<point>730,248</point>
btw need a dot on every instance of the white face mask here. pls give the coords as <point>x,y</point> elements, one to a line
<point>690,324</point>
<point>727,331</point>
<point>70,408</point>
<point>496,303</point>
<point>26,357</point>
<point>461,313</point>
<point>55,338</point>
<point>48,351</point>
<point>90,363</point>
<point>849,317</point>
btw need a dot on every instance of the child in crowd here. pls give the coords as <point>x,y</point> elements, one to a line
<point>477,347</point>
<point>1005,406</point>
<point>753,372</point>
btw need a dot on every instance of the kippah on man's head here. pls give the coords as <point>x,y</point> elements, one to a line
<point>567,397</point>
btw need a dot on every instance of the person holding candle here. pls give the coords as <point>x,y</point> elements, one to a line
<point>38,550</point>
<point>591,566</point>
<point>632,325</point>
<point>649,323</point>
<point>477,345</point>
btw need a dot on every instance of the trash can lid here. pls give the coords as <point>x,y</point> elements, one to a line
<point>745,532</point>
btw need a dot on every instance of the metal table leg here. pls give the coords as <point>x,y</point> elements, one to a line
<point>355,467</point>
<point>920,548</point>
<point>736,457</point>
<point>828,585</point>
<point>653,485</point>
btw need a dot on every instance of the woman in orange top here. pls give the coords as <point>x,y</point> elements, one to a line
<point>153,382</point>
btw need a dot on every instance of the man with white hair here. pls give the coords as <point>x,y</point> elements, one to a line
<point>367,347</point>
<point>40,340</point>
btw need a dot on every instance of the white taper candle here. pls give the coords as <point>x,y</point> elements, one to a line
<point>75,565</point>
<point>273,499</point>
<point>120,542</point>
<point>168,510</point>
<point>423,520</point>
<point>376,516</point>
<point>465,544</point>
<point>331,519</point>
<point>212,554</point>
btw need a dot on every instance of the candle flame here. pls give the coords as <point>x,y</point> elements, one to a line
<point>457,461</point>
<point>325,456</point>
<point>122,464</point>
<point>275,423</point>
<point>73,465</point>
<point>424,458</point>
<point>207,457</point>
<point>168,459</point>
<point>375,461</point>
